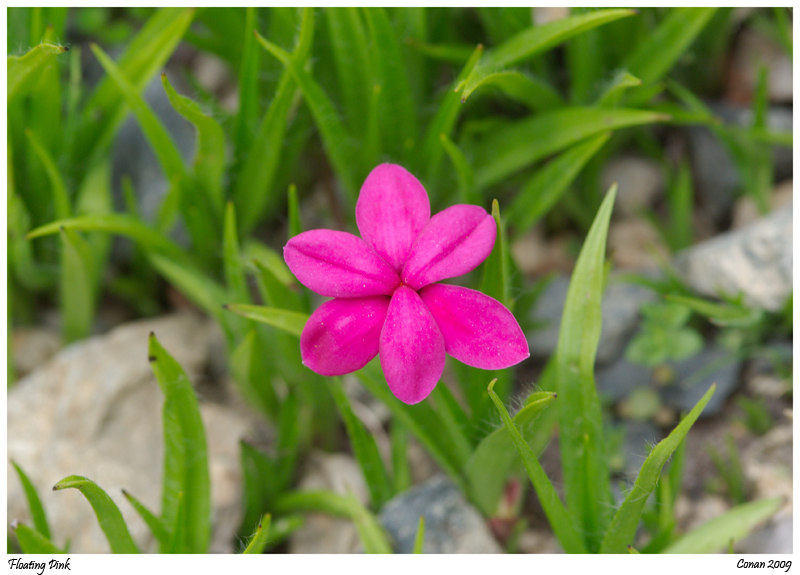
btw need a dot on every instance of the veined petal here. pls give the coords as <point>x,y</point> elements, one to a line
<point>392,209</point>
<point>453,243</point>
<point>412,348</point>
<point>338,264</point>
<point>478,330</point>
<point>343,335</point>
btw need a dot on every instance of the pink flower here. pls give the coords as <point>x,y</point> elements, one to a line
<point>386,300</point>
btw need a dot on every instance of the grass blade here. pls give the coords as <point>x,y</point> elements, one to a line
<point>534,93</point>
<point>313,501</point>
<point>586,476</point>
<point>419,540</point>
<point>364,448</point>
<point>209,159</point>
<point>613,92</point>
<point>548,184</point>
<point>623,526</point>
<point>496,275</point>
<point>401,470</point>
<point>370,532</point>
<point>252,377</point>
<point>154,523</point>
<point>31,541</point>
<point>734,524</point>
<point>34,503</point>
<point>108,514</point>
<point>464,172</point>
<point>289,321</point>
<point>57,187</point>
<point>22,69</point>
<point>248,85</point>
<point>510,149</point>
<point>261,537</point>
<point>535,40</point>
<point>490,464</point>
<point>349,44</point>
<point>560,522</point>
<point>722,314</point>
<point>185,454</point>
<point>77,290</point>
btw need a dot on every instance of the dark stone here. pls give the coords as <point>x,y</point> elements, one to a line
<point>695,375</point>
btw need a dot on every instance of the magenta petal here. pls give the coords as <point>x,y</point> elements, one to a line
<point>392,209</point>
<point>453,243</point>
<point>477,330</point>
<point>412,348</point>
<point>343,334</point>
<point>338,264</point>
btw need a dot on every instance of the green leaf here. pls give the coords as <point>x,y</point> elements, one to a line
<point>454,421</point>
<point>716,534</point>
<point>464,171</point>
<point>269,259</point>
<point>260,538</point>
<point>77,290</point>
<point>154,523</point>
<point>209,159</point>
<point>419,540</point>
<point>185,454</point>
<point>259,484</point>
<point>491,463</point>
<point>613,92</point>
<point>295,225</point>
<point>369,530</point>
<point>31,541</point>
<point>586,476</point>
<point>144,55</point>
<point>350,52</point>
<point>248,85</point>
<point>534,93</point>
<point>34,503</point>
<point>165,149</point>
<point>726,315</point>
<point>446,52</point>
<point>108,514</point>
<point>651,59</point>
<point>510,149</point>
<point>313,501</point>
<point>622,530</point>
<point>535,40</point>
<point>251,375</point>
<point>234,270</point>
<point>560,522</point>
<point>289,321</point>
<point>22,69</point>
<point>400,465</point>
<point>335,137</point>
<point>548,184</point>
<point>364,448</point>
<point>396,106</point>
<point>57,187</point>
<point>496,275</point>
<point>680,196</point>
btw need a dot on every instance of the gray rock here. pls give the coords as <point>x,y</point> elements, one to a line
<point>755,260</point>
<point>451,524</point>
<point>95,410</point>
<point>618,380</point>
<point>775,537</point>
<point>33,346</point>
<point>640,182</point>
<point>695,375</point>
<point>621,305</point>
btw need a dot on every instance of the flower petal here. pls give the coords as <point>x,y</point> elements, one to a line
<point>343,335</point>
<point>392,209</point>
<point>453,243</point>
<point>477,330</point>
<point>338,264</point>
<point>412,348</point>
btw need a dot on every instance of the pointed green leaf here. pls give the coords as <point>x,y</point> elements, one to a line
<point>31,541</point>
<point>370,532</point>
<point>534,93</point>
<point>57,187</point>
<point>496,275</point>
<point>613,92</point>
<point>722,314</point>
<point>313,501</point>
<point>716,534</point>
<point>549,183</point>
<point>234,270</point>
<point>251,376</point>
<point>185,454</point>
<point>510,149</point>
<point>295,225</point>
<point>623,526</point>
<point>535,40</point>
<point>165,149</point>
<point>586,476</point>
<point>560,522</point>
<point>248,85</point>
<point>364,448</point>
<point>490,464</point>
<point>260,538</point>
<point>350,52</point>
<point>209,159</point>
<point>34,503</point>
<point>289,321</point>
<point>23,68</point>
<point>464,171</point>
<point>108,514</point>
<point>154,523</point>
